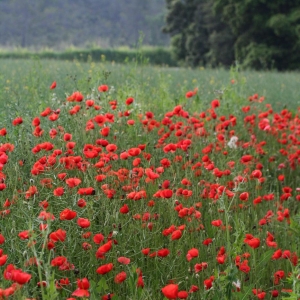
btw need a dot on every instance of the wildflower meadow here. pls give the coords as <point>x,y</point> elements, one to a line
<point>109,192</point>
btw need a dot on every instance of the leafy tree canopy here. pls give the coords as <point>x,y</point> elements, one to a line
<point>268,32</point>
<point>256,33</point>
<point>198,35</point>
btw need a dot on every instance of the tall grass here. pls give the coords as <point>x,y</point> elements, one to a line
<point>128,182</point>
<point>22,82</point>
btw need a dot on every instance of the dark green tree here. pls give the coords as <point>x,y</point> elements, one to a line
<point>198,35</point>
<point>268,32</point>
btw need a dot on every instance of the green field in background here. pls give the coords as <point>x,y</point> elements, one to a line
<point>24,84</point>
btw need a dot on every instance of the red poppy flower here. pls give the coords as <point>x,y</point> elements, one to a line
<point>274,293</point>
<point>81,203</point>
<point>146,251</point>
<point>192,253</point>
<point>46,216</point>
<point>105,269</point>
<point>105,131</point>
<point>67,214</point>
<point>2,186</point>
<point>24,235</point>
<point>252,241</point>
<point>193,289</point>
<point>111,148</point>
<point>189,94</point>
<point>244,267</point>
<point>140,282</point>
<point>103,88</point>
<point>134,151</point>
<point>58,235</point>
<point>124,155</point>
<point>216,223</point>
<point>124,209</point>
<point>129,101</point>
<point>67,137</point>
<point>169,230</point>
<point>83,223</point>
<point>149,115</point>
<point>3,259</point>
<point>176,235</point>
<point>277,254</point>
<point>244,196</point>
<point>20,277</point>
<point>100,177</point>
<point>17,121</point>
<point>62,282</point>
<point>76,96</point>
<point>208,283</point>
<point>3,132</point>
<point>53,117</point>
<point>103,249</point>
<point>86,191</point>
<point>166,193</point>
<point>58,261</point>
<point>58,191</point>
<point>286,254</point>
<point>7,274</point>
<point>86,235</point>
<point>36,122</point>
<point>31,191</point>
<point>74,110</point>
<point>98,238</point>
<point>183,295</point>
<point>215,103</point>
<point>170,291</point>
<point>163,252</point>
<point>259,293</point>
<point>81,293</point>
<point>200,267</point>
<point>221,259</point>
<point>83,283</point>
<point>89,103</point>
<point>119,278</point>
<point>207,241</point>
<point>72,182</point>
<point>246,158</point>
<point>256,174</point>
<point>124,260</point>
<point>46,112</point>
<point>53,85</point>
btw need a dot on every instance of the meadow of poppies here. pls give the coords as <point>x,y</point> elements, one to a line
<point>102,198</point>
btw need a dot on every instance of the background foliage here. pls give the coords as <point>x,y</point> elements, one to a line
<point>259,34</point>
<point>57,23</point>
<point>256,34</point>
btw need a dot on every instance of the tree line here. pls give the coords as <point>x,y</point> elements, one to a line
<point>259,34</point>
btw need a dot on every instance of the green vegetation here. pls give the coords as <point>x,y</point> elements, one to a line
<point>82,23</point>
<point>198,36</point>
<point>23,82</point>
<point>258,34</point>
<point>150,55</point>
<point>126,182</point>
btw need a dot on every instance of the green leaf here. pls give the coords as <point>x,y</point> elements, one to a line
<point>102,285</point>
